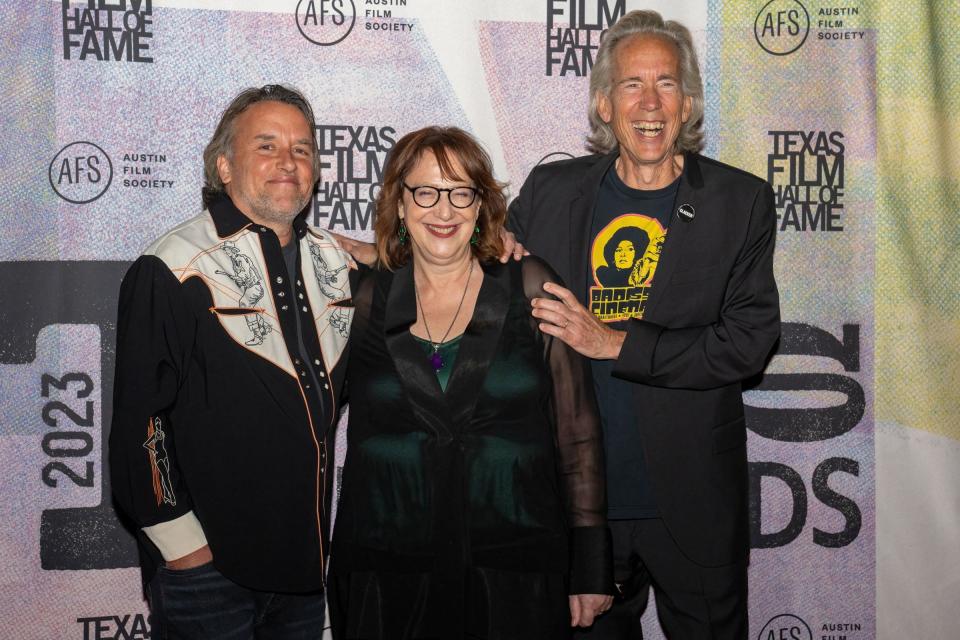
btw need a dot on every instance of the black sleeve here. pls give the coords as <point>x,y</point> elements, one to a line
<point>580,449</point>
<point>362,287</point>
<point>519,210</point>
<point>356,275</point>
<point>155,333</point>
<point>729,350</point>
<point>360,295</point>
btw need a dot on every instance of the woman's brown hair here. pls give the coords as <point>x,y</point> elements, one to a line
<point>446,144</point>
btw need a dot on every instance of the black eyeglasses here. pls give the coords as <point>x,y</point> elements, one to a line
<point>427,196</point>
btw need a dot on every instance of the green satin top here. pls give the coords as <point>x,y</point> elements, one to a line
<point>448,351</point>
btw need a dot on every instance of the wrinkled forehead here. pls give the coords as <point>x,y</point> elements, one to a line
<point>646,53</point>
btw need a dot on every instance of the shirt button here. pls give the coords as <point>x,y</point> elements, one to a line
<point>298,283</point>
<point>304,309</point>
<point>326,386</point>
<point>279,280</point>
<point>308,386</point>
<point>283,308</point>
<point>316,362</point>
<point>301,295</point>
<point>295,361</point>
<point>281,293</point>
<point>263,229</point>
<point>323,375</point>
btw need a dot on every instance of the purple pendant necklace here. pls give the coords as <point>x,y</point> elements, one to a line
<point>436,360</point>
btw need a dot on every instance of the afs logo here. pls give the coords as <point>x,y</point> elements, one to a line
<point>81,172</point>
<point>325,22</point>
<point>785,627</point>
<point>782,26</point>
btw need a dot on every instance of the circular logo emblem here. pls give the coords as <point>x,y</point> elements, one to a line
<point>785,626</point>
<point>325,22</point>
<point>554,156</point>
<point>81,172</point>
<point>782,26</point>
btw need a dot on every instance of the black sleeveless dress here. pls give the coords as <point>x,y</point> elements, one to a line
<point>471,512</point>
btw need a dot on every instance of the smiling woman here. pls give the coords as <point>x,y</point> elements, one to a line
<point>453,520</point>
<point>439,157</point>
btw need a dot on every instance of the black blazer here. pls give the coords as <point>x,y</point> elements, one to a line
<point>711,321</point>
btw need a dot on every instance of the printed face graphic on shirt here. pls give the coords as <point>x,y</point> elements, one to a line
<point>624,254</point>
<point>624,260</point>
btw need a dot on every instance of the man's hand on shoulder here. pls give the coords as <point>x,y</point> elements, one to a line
<point>570,321</point>
<point>511,247</point>
<point>193,559</point>
<point>363,252</point>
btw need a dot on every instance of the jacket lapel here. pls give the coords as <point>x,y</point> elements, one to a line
<point>478,347</point>
<point>417,377</point>
<point>445,413</point>
<point>581,219</point>
<point>689,192</point>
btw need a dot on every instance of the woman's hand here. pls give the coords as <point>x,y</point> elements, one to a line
<point>585,607</point>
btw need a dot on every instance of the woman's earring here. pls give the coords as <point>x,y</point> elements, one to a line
<point>402,232</point>
<point>475,240</point>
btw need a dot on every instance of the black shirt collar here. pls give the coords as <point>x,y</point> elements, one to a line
<point>228,220</point>
<point>617,184</point>
<point>691,174</point>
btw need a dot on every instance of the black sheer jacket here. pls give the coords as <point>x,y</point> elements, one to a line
<point>462,509</point>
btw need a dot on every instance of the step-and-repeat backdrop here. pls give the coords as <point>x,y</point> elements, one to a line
<point>107,105</point>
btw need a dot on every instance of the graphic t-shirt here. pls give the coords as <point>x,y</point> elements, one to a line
<point>628,232</point>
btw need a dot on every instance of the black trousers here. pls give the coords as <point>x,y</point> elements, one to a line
<point>693,602</point>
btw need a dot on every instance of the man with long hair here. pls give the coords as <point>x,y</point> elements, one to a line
<point>669,352</point>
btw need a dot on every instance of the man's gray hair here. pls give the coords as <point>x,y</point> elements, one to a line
<point>221,144</point>
<point>601,138</point>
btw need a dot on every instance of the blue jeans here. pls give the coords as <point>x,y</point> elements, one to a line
<point>202,604</point>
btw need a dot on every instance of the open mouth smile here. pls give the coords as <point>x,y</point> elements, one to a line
<point>442,231</point>
<point>648,129</point>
